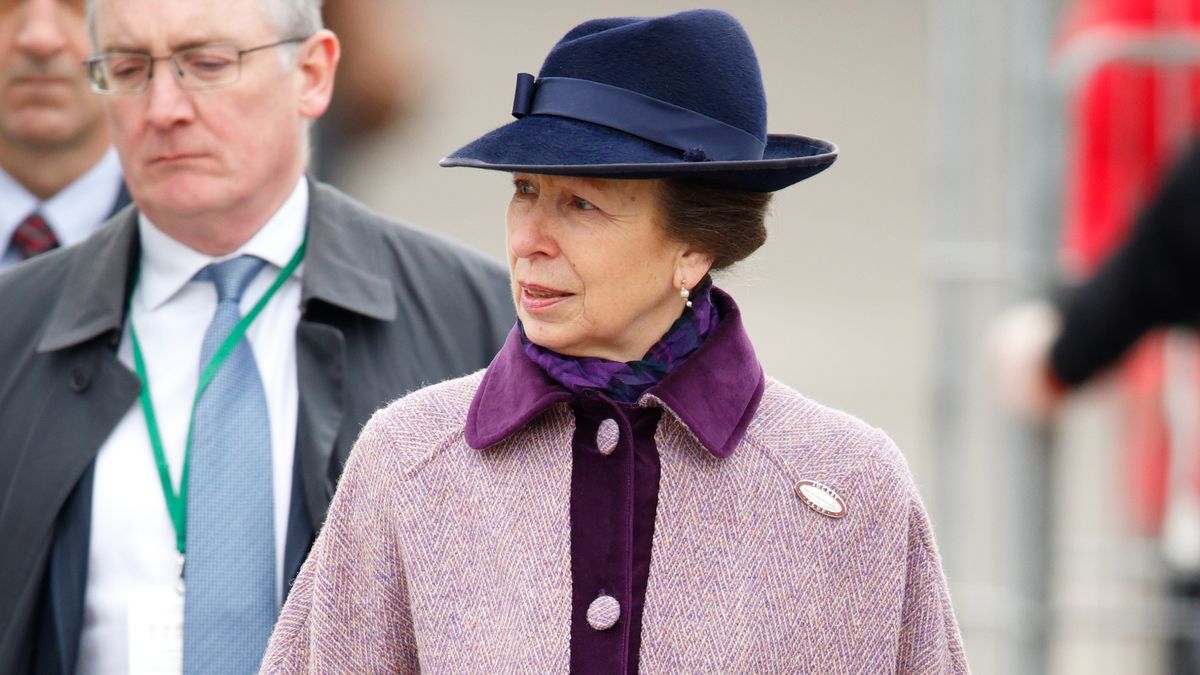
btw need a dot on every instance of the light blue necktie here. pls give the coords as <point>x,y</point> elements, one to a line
<point>229,602</point>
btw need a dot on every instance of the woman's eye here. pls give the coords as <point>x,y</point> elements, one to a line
<point>583,204</point>
<point>523,187</point>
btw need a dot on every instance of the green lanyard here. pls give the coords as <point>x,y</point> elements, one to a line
<point>177,502</point>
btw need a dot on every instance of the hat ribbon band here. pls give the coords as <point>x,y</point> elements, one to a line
<point>698,136</point>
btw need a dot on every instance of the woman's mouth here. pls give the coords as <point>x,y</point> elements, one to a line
<point>535,298</point>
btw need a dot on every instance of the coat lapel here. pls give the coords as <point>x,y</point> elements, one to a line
<point>87,389</point>
<point>320,361</point>
<point>84,392</point>
<point>344,265</point>
<point>80,411</point>
<point>76,420</point>
<point>343,269</point>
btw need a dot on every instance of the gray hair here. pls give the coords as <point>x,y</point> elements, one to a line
<point>294,18</point>
<point>290,18</point>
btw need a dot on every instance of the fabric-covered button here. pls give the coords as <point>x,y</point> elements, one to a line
<point>607,435</point>
<point>603,613</point>
<point>80,379</point>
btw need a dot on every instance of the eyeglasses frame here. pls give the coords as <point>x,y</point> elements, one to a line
<point>90,62</point>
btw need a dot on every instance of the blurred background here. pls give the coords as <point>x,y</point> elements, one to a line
<point>990,152</point>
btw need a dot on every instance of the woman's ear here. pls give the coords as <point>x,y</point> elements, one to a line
<point>693,265</point>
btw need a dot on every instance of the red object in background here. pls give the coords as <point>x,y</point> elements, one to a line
<point>1134,72</point>
<point>1136,102</point>
<point>1146,450</point>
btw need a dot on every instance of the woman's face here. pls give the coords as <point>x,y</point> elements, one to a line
<point>593,272</point>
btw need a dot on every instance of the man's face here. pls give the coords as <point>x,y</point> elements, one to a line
<point>45,100</point>
<point>211,154</point>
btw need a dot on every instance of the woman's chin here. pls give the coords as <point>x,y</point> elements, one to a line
<point>542,335</point>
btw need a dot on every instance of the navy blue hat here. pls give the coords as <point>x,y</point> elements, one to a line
<point>673,96</point>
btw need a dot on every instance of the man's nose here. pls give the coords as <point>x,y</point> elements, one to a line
<point>41,32</point>
<point>169,103</point>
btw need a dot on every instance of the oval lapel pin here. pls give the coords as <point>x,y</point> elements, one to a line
<point>821,498</point>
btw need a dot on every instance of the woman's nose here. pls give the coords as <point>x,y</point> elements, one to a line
<point>529,231</point>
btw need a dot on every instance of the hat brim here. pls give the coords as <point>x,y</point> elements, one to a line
<point>567,147</point>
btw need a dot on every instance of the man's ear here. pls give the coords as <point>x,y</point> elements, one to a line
<point>317,62</point>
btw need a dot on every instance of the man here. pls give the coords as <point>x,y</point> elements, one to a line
<point>58,177</point>
<point>181,390</point>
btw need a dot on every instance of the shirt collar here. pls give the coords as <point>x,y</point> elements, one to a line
<point>715,393</point>
<point>74,212</point>
<point>18,203</point>
<point>77,209</point>
<point>168,265</point>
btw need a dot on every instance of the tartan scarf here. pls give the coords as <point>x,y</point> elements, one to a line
<point>626,382</point>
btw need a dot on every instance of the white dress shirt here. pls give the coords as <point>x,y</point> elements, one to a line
<point>132,537</point>
<point>73,214</point>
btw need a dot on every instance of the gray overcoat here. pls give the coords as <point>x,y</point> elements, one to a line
<point>384,310</point>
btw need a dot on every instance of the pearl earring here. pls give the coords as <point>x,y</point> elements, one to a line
<point>685,293</point>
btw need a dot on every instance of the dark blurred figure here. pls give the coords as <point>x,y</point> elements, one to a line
<point>378,80</point>
<point>58,177</point>
<point>1151,281</point>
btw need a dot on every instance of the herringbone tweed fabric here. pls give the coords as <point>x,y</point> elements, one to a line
<point>444,559</point>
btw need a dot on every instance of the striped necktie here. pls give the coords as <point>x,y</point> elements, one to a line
<point>33,236</point>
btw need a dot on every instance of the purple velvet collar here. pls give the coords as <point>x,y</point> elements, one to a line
<point>715,392</point>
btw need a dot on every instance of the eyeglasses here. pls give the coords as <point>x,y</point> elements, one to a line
<point>203,67</point>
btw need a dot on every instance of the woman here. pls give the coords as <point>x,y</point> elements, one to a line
<point>623,489</point>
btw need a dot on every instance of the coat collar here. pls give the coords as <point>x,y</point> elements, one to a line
<point>98,282</point>
<point>715,393</point>
<point>345,263</point>
<point>344,266</point>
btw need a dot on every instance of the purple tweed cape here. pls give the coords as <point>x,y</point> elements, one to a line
<point>438,556</point>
